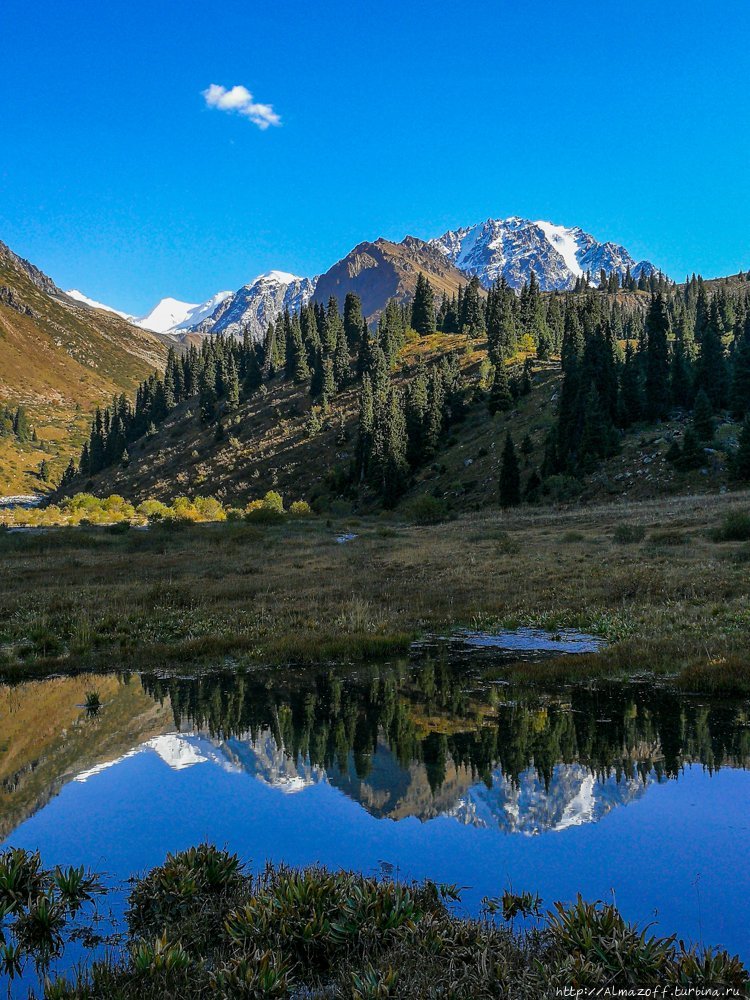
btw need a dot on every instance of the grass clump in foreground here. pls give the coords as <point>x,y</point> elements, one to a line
<point>200,926</point>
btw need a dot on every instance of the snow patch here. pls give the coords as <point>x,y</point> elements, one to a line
<point>74,293</point>
<point>565,243</point>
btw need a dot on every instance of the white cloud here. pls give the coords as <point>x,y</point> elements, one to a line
<point>240,100</point>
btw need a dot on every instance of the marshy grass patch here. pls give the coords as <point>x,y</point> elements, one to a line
<point>668,538</point>
<point>628,534</point>
<point>735,527</point>
<point>728,676</point>
<point>572,537</point>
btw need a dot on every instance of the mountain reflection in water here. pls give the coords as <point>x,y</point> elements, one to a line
<point>420,740</point>
<point>437,768</point>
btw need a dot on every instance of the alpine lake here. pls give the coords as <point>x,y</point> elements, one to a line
<point>431,767</point>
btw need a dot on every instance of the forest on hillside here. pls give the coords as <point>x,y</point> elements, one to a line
<point>631,353</point>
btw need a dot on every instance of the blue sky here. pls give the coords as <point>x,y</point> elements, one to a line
<point>116,176</point>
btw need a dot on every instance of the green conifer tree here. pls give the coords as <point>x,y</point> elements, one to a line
<point>232,385</point>
<point>741,458</point>
<point>500,398</point>
<point>740,392</point>
<point>692,455</point>
<point>423,307</point>
<point>395,466</point>
<point>354,322</point>
<point>703,417</point>
<point>711,372</point>
<point>657,359</point>
<point>510,476</point>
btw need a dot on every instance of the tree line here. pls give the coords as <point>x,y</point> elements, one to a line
<point>338,723</point>
<point>686,348</point>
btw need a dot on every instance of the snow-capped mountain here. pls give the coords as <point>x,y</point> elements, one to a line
<point>513,248</point>
<point>257,304</point>
<point>73,293</point>
<point>574,797</point>
<point>173,316</point>
<point>169,315</point>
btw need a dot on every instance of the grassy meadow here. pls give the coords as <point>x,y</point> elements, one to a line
<point>664,581</point>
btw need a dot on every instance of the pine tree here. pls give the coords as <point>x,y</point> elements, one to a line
<point>328,390</point>
<point>44,471</point>
<point>69,474</point>
<point>317,374</point>
<point>365,427</point>
<point>341,367</point>
<point>740,391</point>
<point>395,466</point>
<point>252,376</point>
<point>21,427</point>
<point>391,330</point>
<point>233,385</point>
<point>510,476</point>
<point>472,320</point>
<point>207,388</point>
<point>533,486</point>
<point>597,436</point>
<point>268,369</point>
<point>692,454</point>
<point>435,416</point>
<point>703,417</point>
<point>525,384</point>
<point>354,322</point>
<point>681,375</point>
<point>500,398</point>
<point>657,359</point>
<point>297,367</point>
<point>631,389</point>
<point>333,326</point>
<point>423,307</point>
<point>170,390</point>
<point>416,412</point>
<point>741,458</point>
<point>711,370</point>
<point>571,396</point>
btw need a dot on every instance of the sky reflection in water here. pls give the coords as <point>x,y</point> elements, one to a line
<point>635,790</point>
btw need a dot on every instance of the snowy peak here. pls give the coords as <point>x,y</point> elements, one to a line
<point>257,304</point>
<point>170,315</point>
<point>573,797</point>
<point>512,248</point>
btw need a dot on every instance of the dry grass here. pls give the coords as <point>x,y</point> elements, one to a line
<point>205,593</point>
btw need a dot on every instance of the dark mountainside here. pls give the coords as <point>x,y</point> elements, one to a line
<point>637,388</point>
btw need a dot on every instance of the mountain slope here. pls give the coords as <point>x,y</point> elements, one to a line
<point>512,248</point>
<point>59,358</point>
<point>383,270</point>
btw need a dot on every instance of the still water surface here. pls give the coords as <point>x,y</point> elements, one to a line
<point>432,768</point>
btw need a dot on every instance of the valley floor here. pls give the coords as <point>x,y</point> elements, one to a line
<point>649,577</point>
